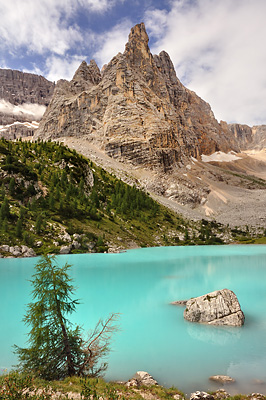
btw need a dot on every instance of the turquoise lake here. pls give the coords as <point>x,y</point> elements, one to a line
<point>154,336</point>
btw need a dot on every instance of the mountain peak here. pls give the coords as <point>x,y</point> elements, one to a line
<point>86,76</point>
<point>138,33</point>
<point>137,47</point>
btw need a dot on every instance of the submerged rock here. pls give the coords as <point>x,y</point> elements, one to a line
<point>216,308</point>
<point>179,303</point>
<point>222,379</point>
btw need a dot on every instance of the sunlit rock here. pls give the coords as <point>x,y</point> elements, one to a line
<point>216,308</point>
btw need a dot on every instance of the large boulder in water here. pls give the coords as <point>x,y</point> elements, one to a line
<point>216,308</point>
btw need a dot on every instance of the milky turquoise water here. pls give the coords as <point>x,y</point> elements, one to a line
<point>154,337</point>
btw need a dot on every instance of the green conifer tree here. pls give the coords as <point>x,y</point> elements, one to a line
<point>11,186</point>
<point>56,349</point>
<point>19,228</point>
<point>4,210</point>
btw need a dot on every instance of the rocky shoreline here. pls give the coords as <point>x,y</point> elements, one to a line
<point>143,386</point>
<point>16,251</point>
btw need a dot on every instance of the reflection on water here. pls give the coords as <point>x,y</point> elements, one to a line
<point>140,284</point>
<point>220,336</point>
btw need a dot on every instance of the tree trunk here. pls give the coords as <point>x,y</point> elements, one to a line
<point>70,363</point>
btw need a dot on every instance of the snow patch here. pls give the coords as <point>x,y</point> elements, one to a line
<point>219,156</point>
<point>30,125</point>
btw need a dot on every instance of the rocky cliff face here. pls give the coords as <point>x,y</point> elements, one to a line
<point>22,95</point>
<point>136,110</point>
<point>249,138</point>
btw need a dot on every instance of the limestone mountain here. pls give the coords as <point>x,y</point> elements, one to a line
<point>136,109</point>
<point>137,120</point>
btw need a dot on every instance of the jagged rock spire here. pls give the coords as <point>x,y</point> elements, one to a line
<point>138,33</point>
<point>137,47</point>
<point>86,76</point>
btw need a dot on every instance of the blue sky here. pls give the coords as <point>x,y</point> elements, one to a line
<point>217,46</point>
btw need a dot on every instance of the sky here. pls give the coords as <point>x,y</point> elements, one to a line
<point>217,46</point>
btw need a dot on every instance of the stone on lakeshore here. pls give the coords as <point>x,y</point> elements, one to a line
<point>65,237</point>
<point>65,249</point>
<point>256,396</point>
<point>15,251</point>
<point>201,396</point>
<point>220,307</point>
<point>132,383</point>
<point>5,248</point>
<point>76,244</point>
<point>29,253</point>
<point>24,249</point>
<point>222,379</point>
<point>220,394</point>
<point>141,378</point>
<point>178,397</point>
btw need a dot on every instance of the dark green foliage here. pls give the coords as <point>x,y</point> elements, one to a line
<point>19,228</point>
<point>58,188</point>
<point>56,348</point>
<point>4,210</point>
<point>132,202</point>
<point>11,186</point>
<point>38,224</point>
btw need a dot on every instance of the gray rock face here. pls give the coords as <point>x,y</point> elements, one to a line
<point>216,308</point>
<point>249,138</point>
<point>18,87</point>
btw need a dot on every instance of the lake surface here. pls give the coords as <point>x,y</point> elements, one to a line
<point>154,336</point>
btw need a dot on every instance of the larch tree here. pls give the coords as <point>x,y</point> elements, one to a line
<point>56,348</point>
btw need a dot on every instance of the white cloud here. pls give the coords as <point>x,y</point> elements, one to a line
<point>45,26</point>
<point>219,52</point>
<point>36,111</point>
<point>112,42</point>
<point>61,67</point>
